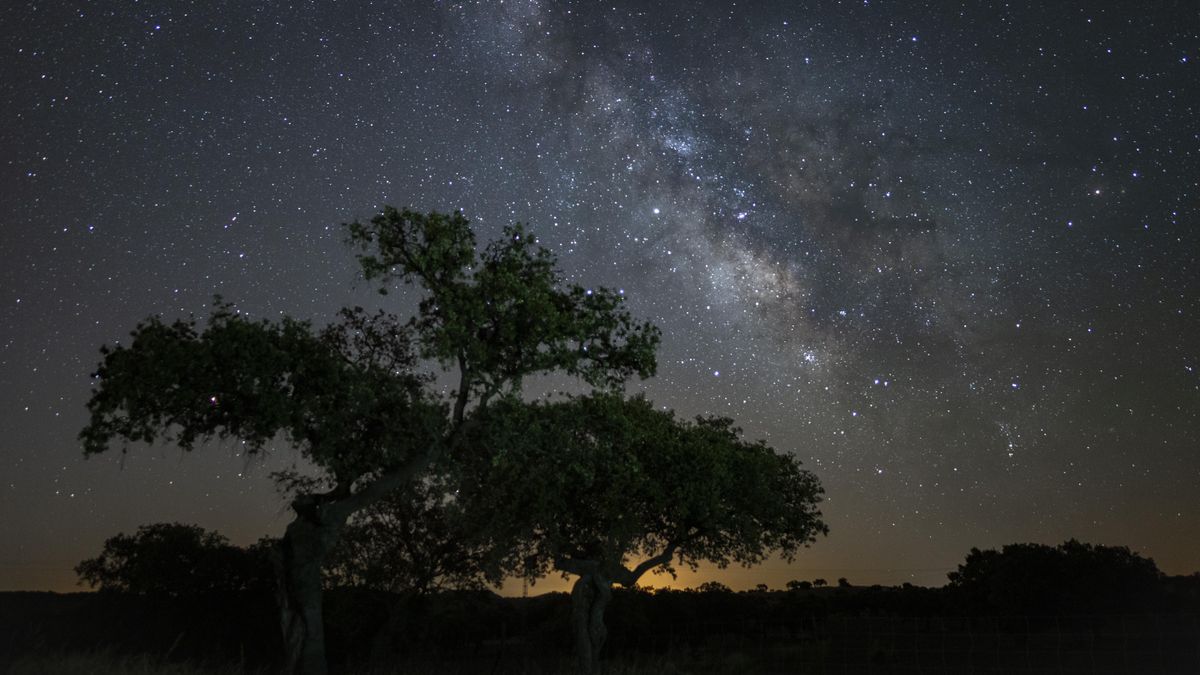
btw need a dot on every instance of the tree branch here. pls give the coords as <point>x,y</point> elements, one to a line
<point>382,486</point>
<point>576,566</point>
<point>464,390</point>
<point>628,577</point>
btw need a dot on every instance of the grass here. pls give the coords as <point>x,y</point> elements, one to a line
<point>107,663</point>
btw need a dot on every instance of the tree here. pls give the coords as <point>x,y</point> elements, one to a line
<point>819,583</point>
<point>1071,577</point>
<point>175,560</point>
<point>588,485</point>
<point>354,398</point>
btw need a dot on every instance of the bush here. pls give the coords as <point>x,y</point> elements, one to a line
<point>176,560</point>
<point>1072,577</point>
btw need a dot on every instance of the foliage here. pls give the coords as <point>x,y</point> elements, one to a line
<point>505,313</point>
<point>344,395</point>
<point>1071,577</point>
<point>412,541</point>
<point>713,587</point>
<point>172,559</point>
<point>609,479</point>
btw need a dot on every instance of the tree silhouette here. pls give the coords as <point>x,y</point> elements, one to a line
<point>175,560</point>
<point>713,587</point>
<point>1072,577</point>
<point>352,398</point>
<point>607,488</point>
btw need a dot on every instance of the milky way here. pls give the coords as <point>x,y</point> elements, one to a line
<point>947,257</point>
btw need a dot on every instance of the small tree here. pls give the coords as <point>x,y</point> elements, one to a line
<point>819,583</point>
<point>354,398</point>
<point>607,489</point>
<point>1071,577</point>
<point>175,560</point>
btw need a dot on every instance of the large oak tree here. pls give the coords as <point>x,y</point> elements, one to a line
<point>357,398</point>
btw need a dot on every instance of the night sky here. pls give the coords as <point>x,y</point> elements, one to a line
<point>945,254</point>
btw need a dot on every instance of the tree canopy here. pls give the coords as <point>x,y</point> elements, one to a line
<point>346,396</point>
<point>502,314</point>
<point>610,479</point>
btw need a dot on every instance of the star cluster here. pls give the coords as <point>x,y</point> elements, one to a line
<point>945,254</point>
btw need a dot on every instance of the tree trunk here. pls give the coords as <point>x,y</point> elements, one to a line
<point>300,557</point>
<point>589,598</point>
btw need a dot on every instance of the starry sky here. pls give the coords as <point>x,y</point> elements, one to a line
<point>944,253</point>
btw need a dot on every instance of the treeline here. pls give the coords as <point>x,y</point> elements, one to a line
<point>178,560</point>
<point>466,630</point>
<point>215,605</point>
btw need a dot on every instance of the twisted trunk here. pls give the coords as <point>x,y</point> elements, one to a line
<point>299,559</point>
<point>589,598</point>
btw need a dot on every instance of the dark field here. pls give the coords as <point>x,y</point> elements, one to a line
<point>827,630</point>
